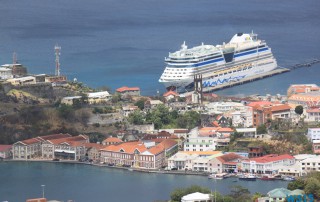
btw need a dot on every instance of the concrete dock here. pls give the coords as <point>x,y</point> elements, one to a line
<point>279,70</point>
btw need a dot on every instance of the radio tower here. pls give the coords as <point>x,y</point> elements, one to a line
<point>57,50</point>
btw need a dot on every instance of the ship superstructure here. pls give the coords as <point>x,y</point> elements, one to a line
<point>244,56</point>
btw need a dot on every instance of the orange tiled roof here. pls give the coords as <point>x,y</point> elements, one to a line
<point>170,93</point>
<point>260,103</point>
<point>157,149</point>
<point>229,157</point>
<point>313,110</point>
<point>69,139</point>
<point>168,143</point>
<point>284,107</point>
<point>127,147</point>
<point>125,88</point>
<point>112,139</point>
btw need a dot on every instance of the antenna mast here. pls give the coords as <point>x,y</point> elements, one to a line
<point>57,50</point>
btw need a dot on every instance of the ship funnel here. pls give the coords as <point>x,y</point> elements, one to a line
<point>184,46</point>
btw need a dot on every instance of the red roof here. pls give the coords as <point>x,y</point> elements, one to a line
<point>170,93</point>
<point>127,147</point>
<point>260,103</point>
<point>270,158</point>
<point>5,147</point>
<point>125,88</point>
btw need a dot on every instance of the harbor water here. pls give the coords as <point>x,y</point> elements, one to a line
<point>86,183</point>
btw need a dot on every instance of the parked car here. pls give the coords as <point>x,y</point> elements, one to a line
<point>55,159</point>
<point>174,168</point>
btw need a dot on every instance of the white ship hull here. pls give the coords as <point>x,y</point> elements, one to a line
<point>225,65</point>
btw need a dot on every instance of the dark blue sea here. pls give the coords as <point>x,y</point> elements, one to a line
<point>84,183</point>
<point>116,43</point>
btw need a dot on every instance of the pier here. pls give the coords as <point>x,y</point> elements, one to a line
<point>246,80</point>
<point>279,70</point>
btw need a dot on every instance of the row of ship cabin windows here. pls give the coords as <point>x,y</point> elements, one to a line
<point>230,72</point>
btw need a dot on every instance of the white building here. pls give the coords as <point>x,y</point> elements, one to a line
<point>243,117</point>
<point>23,80</point>
<point>222,107</point>
<point>312,115</point>
<point>310,164</point>
<point>99,97</point>
<point>313,134</point>
<point>195,142</point>
<point>5,73</point>
<point>268,164</point>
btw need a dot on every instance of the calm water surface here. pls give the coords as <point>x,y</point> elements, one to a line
<point>116,43</point>
<point>85,183</point>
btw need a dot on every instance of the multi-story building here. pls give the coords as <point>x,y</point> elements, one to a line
<point>313,134</point>
<point>31,148</point>
<point>196,161</point>
<point>222,107</point>
<point>132,91</point>
<point>136,154</point>
<point>316,146</point>
<point>309,99</point>
<point>69,148</point>
<point>228,163</point>
<point>111,140</point>
<point>243,118</point>
<point>268,164</point>
<point>310,164</point>
<point>302,88</point>
<point>312,115</point>
<point>93,151</point>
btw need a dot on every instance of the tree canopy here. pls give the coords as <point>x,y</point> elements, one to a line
<point>298,109</point>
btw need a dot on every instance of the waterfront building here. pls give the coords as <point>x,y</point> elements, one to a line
<point>196,197</point>
<point>69,148</point>
<point>125,91</point>
<point>313,134</point>
<point>192,160</point>
<point>310,164</point>
<point>302,88</point>
<point>93,151</point>
<point>268,164</point>
<point>31,148</point>
<point>292,170</point>
<point>136,154</point>
<point>27,80</point>
<point>5,73</point>
<point>5,151</point>
<point>171,95</point>
<point>228,163</point>
<point>111,141</point>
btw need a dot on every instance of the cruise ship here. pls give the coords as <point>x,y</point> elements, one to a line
<point>244,56</point>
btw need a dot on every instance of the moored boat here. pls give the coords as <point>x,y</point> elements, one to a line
<point>267,177</point>
<point>249,177</point>
<point>219,176</point>
<point>288,178</point>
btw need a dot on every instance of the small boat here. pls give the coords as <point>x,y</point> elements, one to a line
<point>249,177</point>
<point>267,177</point>
<point>289,178</point>
<point>130,169</point>
<point>217,176</point>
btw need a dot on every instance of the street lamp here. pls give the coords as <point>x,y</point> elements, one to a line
<point>43,190</point>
